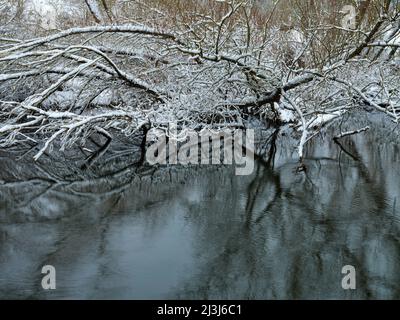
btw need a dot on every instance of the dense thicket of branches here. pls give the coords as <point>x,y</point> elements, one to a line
<point>123,65</point>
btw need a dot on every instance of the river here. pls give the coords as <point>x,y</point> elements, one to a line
<point>204,233</point>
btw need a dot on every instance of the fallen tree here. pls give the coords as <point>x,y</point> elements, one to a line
<point>211,71</point>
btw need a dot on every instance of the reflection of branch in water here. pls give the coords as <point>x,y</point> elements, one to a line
<point>273,149</point>
<point>345,151</point>
<point>100,152</point>
<point>378,194</point>
<point>300,239</point>
<point>146,129</point>
<point>270,142</point>
<point>337,138</point>
<point>256,188</point>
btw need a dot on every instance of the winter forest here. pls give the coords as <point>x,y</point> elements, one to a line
<point>71,70</point>
<point>85,85</point>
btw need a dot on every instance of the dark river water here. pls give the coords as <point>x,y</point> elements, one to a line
<point>204,233</point>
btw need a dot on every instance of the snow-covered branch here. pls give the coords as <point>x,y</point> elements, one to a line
<point>204,68</point>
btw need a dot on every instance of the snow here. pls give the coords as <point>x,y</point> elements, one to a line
<point>295,36</point>
<point>47,12</point>
<point>211,91</point>
<point>285,115</point>
<point>105,98</point>
<point>321,119</point>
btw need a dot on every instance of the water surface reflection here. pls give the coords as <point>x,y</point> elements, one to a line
<point>206,233</point>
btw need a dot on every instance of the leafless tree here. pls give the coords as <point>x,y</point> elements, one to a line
<point>202,64</point>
